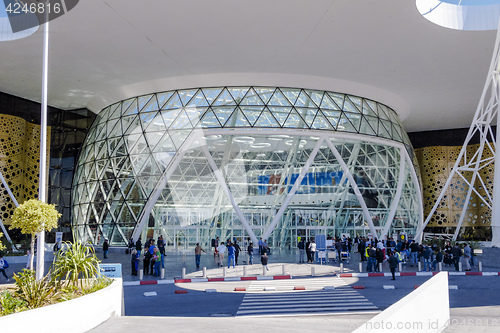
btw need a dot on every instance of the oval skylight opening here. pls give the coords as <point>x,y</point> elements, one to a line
<point>461,14</point>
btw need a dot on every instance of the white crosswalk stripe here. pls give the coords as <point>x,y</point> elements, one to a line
<point>287,285</point>
<point>313,300</point>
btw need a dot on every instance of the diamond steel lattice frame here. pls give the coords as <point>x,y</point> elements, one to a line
<point>208,160</point>
<point>468,166</point>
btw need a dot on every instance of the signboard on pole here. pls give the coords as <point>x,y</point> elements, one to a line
<point>111,270</point>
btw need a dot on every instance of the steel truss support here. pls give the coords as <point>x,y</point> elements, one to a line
<point>486,111</point>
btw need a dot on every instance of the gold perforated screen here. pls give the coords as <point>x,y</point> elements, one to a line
<point>19,161</point>
<point>436,164</point>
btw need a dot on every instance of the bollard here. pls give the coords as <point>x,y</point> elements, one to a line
<point>264,270</point>
<point>419,266</point>
<point>440,266</point>
<point>183,272</point>
<point>341,267</point>
<point>400,267</point>
<point>313,271</point>
<point>283,270</point>
<point>460,266</point>
<point>361,267</point>
<point>224,271</point>
<point>204,272</point>
<point>141,274</point>
<point>244,270</point>
<point>480,266</point>
<point>162,273</point>
<point>380,267</point>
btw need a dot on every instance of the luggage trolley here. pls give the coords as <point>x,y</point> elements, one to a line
<point>345,254</point>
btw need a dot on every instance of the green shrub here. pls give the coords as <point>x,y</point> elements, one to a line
<point>10,304</point>
<point>35,293</point>
<point>76,266</point>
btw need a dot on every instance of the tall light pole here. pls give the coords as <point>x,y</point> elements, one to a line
<point>42,189</point>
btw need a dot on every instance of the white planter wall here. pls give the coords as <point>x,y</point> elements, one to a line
<point>74,316</point>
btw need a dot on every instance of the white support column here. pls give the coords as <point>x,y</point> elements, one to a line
<point>227,192</point>
<point>148,207</point>
<point>366,212</point>
<point>399,190</point>
<point>290,195</point>
<point>42,182</point>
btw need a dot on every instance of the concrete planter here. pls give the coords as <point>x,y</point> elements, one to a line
<point>75,316</point>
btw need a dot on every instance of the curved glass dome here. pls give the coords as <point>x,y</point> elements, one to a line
<point>245,162</point>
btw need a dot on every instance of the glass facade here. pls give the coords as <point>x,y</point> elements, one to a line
<point>240,162</point>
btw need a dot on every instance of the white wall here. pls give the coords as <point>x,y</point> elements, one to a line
<point>427,309</point>
<point>75,316</point>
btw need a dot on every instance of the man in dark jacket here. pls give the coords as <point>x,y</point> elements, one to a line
<point>393,263</point>
<point>138,247</point>
<point>105,248</point>
<point>457,253</point>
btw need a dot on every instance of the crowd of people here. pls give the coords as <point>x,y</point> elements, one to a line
<point>375,252</point>
<point>372,251</point>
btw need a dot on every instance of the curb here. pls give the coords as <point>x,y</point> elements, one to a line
<point>227,279</point>
<point>284,277</point>
<point>345,275</point>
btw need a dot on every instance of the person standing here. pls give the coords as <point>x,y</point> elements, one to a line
<point>338,248</point>
<point>230,254</point>
<point>426,254</point>
<point>467,256</point>
<point>157,261</point>
<point>105,248</point>
<point>237,249</point>
<point>413,253</point>
<point>221,249</point>
<point>302,250</point>
<point>308,250</point>
<point>393,263</point>
<point>250,253</point>
<point>261,243</point>
<point>3,267</point>
<point>197,254</point>
<point>457,253</point>
<point>138,247</point>
<point>312,248</point>
<point>361,249</point>
<point>134,261</point>
<point>438,257</point>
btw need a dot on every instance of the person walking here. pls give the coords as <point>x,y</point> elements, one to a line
<point>105,248</point>
<point>197,254</point>
<point>308,251</point>
<point>230,254</point>
<point>264,260</point>
<point>393,263</point>
<point>250,253</point>
<point>221,249</point>
<point>3,267</point>
<point>302,251</point>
